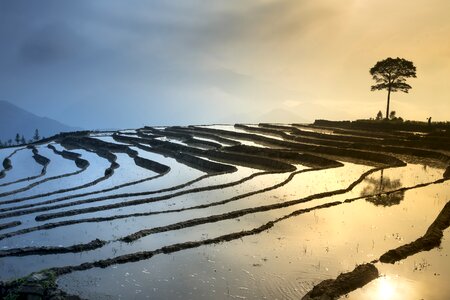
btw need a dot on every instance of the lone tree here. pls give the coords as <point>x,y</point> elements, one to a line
<point>36,135</point>
<point>390,74</point>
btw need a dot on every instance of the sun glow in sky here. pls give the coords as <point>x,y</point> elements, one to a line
<point>125,64</point>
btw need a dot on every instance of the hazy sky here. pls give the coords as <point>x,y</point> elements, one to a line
<point>106,63</point>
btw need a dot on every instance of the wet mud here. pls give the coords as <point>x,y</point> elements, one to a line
<point>431,239</point>
<point>343,284</point>
<point>9,225</point>
<point>95,244</point>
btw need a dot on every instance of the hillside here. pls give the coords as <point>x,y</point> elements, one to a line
<point>15,120</point>
<point>203,212</point>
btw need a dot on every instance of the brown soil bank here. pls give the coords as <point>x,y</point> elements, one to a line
<point>9,225</point>
<point>185,138</point>
<point>386,125</point>
<point>42,160</point>
<point>430,240</point>
<point>343,284</point>
<point>79,162</point>
<point>447,172</point>
<point>204,135</point>
<point>409,144</point>
<point>38,286</point>
<point>96,144</point>
<point>190,156</point>
<point>53,250</point>
<point>369,157</point>
<point>285,155</point>
<point>7,164</point>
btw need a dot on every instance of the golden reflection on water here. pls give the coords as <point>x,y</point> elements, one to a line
<point>386,289</point>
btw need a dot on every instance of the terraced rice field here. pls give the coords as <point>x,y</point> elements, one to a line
<point>262,211</point>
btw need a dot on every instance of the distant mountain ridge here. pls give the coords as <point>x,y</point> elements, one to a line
<point>15,120</point>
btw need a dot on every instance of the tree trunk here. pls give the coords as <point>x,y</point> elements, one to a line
<point>388,99</point>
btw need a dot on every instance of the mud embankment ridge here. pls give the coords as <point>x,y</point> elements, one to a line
<point>343,284</point>
<point>431,239</point>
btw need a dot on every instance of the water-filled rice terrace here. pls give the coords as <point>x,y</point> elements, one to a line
<point>263,211</point>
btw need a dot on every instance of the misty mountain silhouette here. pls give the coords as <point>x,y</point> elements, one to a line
<point>15,120</point>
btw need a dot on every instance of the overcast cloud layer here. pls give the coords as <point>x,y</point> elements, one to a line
<point>115,64</point>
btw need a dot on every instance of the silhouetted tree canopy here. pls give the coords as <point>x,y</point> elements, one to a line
<point>392,115</point>
<point>379,115</point>
<point>377,190</point>
<point>390,74</point>
<point>36,135</point>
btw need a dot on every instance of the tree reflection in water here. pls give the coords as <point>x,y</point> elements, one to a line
<point>380,186</point>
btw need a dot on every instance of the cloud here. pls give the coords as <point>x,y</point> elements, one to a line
<point>52,42</point>
<point>197,60</point>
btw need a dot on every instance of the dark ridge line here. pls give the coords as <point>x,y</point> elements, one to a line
<point>60,191</point>
<point>293,137</point>
<point>98,146</point>
<point>298,132</point>
<point>111,218</point>
<point>32,177</point>
<point>9,225</point>
<point>242,212</point>
<point>192,161</point>
<point>45,217</point>
<point>447,172</point>
<point>185,138</point>
<point>390,146</point>
<point>34,184</point>
<point>83,167</point>
<point>115,196</point>
<point>294,127</point>
<point>138,256</point>
<point>367,156</point>
<point>80,195</point>
<point>402,189</point>
<point>108,173</point>
<point>431,239</point>
<point>347,282</point>
<point>429,141</point>
<point>340,130</point>
<point>282,154</point>
<point>76,157</point>
<point>178,225</point>
<point>179,151</point>
<point>7,165</point>
<point>92,245</point>
<point>41,160</point>
<point>405,130</point>
<point>20,180</point>
<point>204,135</point>
<point>343,284</point>
<point>145,163</point>
<point>151,165</point>
<point>183,158</point>
<point>145,135</point>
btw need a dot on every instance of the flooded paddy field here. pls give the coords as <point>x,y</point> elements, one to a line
<point>259,211</point>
